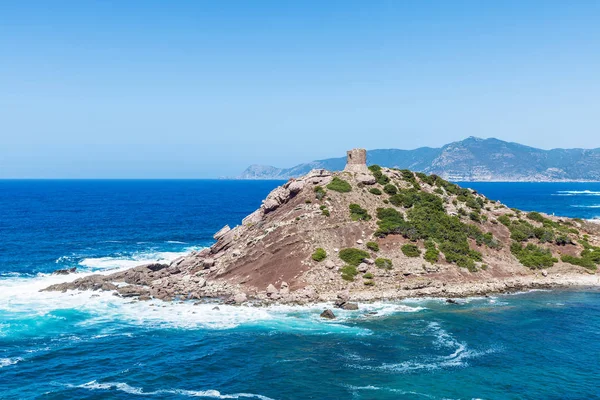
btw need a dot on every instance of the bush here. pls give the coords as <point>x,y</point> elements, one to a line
<point>432,254</point>
<point>368,275</point>
<point>536,216</point>
<point>319,192</point>
<point>504,220</point>
<point>352,256</point>
<point>384,263</point>
<point>373,246</point>
<point>374,168</point>
<point>369,283</point>
<point>438,191</point>
<point>563,240</point>
<point>475,217</point>
<point>411,250</point>
<point>375,191</point>
<point>532,256</point>
<point>349,272</point>
<point>409,177</point>
<point>390,189</point>
<point>319,255</point>
<point>357,213</point>
<point>339,185</point>
<point>584,262</point>
<point>325,212</point>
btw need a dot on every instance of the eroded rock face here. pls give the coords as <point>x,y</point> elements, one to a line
<point>221,232</point>
<point>366,179</point>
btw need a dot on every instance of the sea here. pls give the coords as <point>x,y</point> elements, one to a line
<point>89,345</point>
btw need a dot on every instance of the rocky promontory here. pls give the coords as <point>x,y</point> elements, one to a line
<point>366,234</point>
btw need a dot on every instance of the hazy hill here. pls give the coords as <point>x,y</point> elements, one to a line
<point>472,159</point>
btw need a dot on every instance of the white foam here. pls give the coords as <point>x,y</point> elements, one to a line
<point>124,387</point>
<point>5,362</point>
<point>578,192</point>
<point>584,206</point>
<point>122,262</point>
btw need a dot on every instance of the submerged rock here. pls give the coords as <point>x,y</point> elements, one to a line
<point>328,314</point>
<point>66,271</point>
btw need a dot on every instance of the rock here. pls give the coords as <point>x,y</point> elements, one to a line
<point>369,261</point>
<point>544,273</point>
<point>270,205</point>
<point>240,298</point>
<point>200,282</point>
<point>271,290</point>
<point>296,186</point>
<point>284,288</point>
<point>156,267</point>
<point>209,262</point>
<point>359,241</point>
<point>329,264</point>
<point>236,253</point>
<point>366,179</point>
<point>451,301</point>
<point>253,218</point>
<point>66,271</point>
<point>336,250</point>
<point>216,308</point>
<point>350,306</point>
<point>221,232</point>
<point>328,314</point>
<point>362,267</point>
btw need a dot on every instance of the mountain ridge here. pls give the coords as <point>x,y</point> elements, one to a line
<point>472,159</point>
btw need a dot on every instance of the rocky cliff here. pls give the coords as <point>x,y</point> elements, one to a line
<point>472,159</point>
<point>380,233</point>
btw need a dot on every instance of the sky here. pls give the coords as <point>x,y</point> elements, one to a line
<point>200,89</point>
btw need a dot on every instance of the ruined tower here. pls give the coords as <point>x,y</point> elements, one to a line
<point>356,161</point>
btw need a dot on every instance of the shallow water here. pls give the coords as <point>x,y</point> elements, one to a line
<point>541,344</point>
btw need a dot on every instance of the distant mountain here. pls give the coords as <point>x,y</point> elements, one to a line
<point>472,159</point>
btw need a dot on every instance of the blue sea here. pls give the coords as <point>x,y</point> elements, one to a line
<point>533,345</point>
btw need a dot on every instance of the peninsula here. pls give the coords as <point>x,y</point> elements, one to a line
<point>369,233</point>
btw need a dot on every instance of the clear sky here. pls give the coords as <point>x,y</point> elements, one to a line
<point>192,89</point>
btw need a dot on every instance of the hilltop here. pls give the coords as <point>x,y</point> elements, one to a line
<point>472,159</point>
<point>366,234</point>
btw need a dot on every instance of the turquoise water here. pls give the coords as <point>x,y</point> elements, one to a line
<point>540,344</point>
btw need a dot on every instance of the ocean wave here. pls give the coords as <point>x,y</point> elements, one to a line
<point>5,362</point>
<point>175,242</point>
<point>129,261</point>
<point>578,193</point>
<point>584,206</point>
<point>124,387</point>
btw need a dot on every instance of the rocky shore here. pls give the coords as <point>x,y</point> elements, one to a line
<point>324,237</point>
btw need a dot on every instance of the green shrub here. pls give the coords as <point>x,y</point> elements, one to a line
<point>384,263</point>
<point>584,262</point>
<point>374,168</point>
<point>411,250</point>
<point>325,212</point>
<point>521,231</point>
<point>319,192</point>
<point>544,235</point>
<point>375,191</point>
<point>368,275</point>
<point>349,272</point>
<point>474,216</point>
<point>357,213</point>
<point>319,255</point>
<point>504,220</point>
<point>532,256</point>
<point>432,254</point>
<point>428,179</point>
<point>369,282</point>
<point>438,191</point>
<point>536,216</point>
<point>339,185</point>
<point>352,256</point>
<point>373,246</point>
<point>409,177</point>
<point>390,189</point>
<point>562,240</point>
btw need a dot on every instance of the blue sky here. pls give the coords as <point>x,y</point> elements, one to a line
<point>192,89</point>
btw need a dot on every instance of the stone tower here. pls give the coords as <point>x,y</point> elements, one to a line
<point>356,161</point>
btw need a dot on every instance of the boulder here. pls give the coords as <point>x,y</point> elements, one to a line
<point>369,261</point>
<point>544,273</point>
<point>270,205</point>
<point>366,179</point>
<point>329,264</point>
<point>271,290</point>
<point>240,298</point>
<point>295,187</point>
<point>350,306</point>
<point>66,271</point>
<point>284,288</point>
<point>328,314</point>
<point>359,241</point>
<point>221,232</point>
<point>362,267</point>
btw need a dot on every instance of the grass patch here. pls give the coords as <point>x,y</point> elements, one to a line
<point>357,213</point>
<point>373,246</point>
<point>319,255</point>
<point>352,256</point>
<point>375,191</point>
<point>384,263</point>
<point>432,254</point>
<point>349,272</point>
<point>411,250</point>
<point>339,185</point>
<point>319,192</point>
<point>390,189</point>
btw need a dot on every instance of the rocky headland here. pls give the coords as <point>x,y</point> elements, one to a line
<point>366,234</point>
